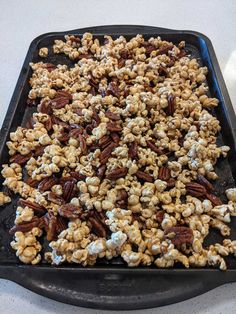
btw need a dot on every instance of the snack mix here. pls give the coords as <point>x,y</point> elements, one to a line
<point>119,158</point>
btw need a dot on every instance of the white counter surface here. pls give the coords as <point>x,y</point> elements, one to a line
<point>22,20</point>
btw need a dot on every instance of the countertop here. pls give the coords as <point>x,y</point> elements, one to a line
<point>21,21</point>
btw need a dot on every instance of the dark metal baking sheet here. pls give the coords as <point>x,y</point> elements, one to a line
<point>112,285</point>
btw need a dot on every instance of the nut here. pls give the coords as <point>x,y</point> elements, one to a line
<point>195,189</point>
<point>57,199</point>
<point>20,159</point>
<point>25,227</point>
<point>106,153</point>
<point>97,226</point>
<point>82,143</point>
<point>38,209</point>
<point>154,148</point>
<point>144,176</point>
<point>164,174</point>
<point>171,105</point>
<point>112,116</point>
<point>112,127</point>
<point>133,150</point>
<point>101,171</point>
<point>104,141</point>
<point>159,216</point>
<point>203,181</point>
<point>179,235</point>
<point>47,183</point>
<point>122,198</point>
<point>164,49</point>
<point>70,211</point>
<point>113,90</point>
<point>117,173</point>
<point>68,190</point>
<point>214,199</point>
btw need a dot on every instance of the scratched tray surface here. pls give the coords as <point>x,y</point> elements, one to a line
<point>120,287</point>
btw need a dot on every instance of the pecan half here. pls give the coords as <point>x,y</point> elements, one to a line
<point>144,176</point>
<point>56,120</point>
<point>59,102</point>
<point>96,117</point>
<point>164,49</point>
<point>84,56</point>
<point>179,235</point>
<point>106,153</point>
<point>171,183</point>
<point>38,209</point>
<point>68,190</point>
<point>20,159</point>
<point>164,173</point>
<point>121,63</point>
<point>57,199</point>
<point>133,150</point>
<point>101,171</point>
<point>125,54</point>
<point>94,84</point>
<point>63,93</point>
<point>32,182</point>
<point>148,47</point>
<point>112,115</point>
<point>171,105</point>
<point>159,216</point>
<point>195,189</point>
<point>78,176</point>
<point>82,143</point>
<point>126,92</point>
<point>63,180</point>
<point>214,199</point>
<point>44,107</point>
<point>181,54</point>
<point>47,184</point>
<point>162,71</point>
<point>154,148</point>
<point>97,227</point>
<point>117,173</point>
<point>203,181</point>
<point>70,211</point>
<point>113,89</point>
<point>48,124</point>
<point>25,227</point>
<point>63,137</point>
<point>89,128</point>
<point>49,222</point>
<point>39,150</point>
<point>113,127</point>
<point>115,137</point>
<point>61,224</point>
<point>104,141</point>
<point>50,67</point>
<point>122,198</point>
<point>75,132</point>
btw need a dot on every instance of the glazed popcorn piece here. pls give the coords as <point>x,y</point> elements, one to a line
<point>4,199</point>
<point>120,158</point>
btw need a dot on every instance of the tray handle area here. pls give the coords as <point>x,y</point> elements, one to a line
<point>116,290</point>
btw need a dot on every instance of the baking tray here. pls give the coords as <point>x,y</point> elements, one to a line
<point>112,285</point>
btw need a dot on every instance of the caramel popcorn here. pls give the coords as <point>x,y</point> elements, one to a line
<point>119,158</point>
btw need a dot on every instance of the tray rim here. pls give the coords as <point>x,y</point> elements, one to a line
<point>7,271</point>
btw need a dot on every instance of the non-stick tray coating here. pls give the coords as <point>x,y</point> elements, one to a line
<point>112,285</point>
